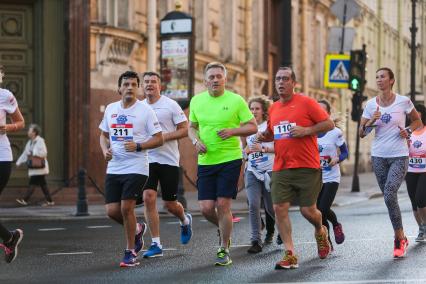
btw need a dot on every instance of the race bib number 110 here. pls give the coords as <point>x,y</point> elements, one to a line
<point>282,131</point>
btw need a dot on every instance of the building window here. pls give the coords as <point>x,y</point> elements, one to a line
<point>114,13</point>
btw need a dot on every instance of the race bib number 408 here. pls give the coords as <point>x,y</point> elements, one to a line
<point>418,162</point>
<point>121,132</point>
<point>282,130</point>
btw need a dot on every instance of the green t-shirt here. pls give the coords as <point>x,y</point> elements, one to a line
<point>216,113</point>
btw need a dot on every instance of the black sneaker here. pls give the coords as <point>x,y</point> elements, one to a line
<point>268,238</point>
<point>11,248</point>
<point>255,247</point>
<point>279,240</point>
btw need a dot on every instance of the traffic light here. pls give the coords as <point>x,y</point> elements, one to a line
<point>357,100</point>
<point>357,70</point>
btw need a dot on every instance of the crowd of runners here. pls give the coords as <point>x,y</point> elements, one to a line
<point>290,150</point>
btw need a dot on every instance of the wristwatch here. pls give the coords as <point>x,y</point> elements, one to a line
<point>409,131</point>
<point>195,141</point>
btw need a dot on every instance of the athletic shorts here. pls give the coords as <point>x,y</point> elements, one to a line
<point>219,180</point>
<point>123,187</point>
<point>167,176</point>
<point>303,183</point>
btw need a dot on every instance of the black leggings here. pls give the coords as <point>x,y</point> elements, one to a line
<point>324,202</point>
<point>416,187</point>
<point>5,170</point>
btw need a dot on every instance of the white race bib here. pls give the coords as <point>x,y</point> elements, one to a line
<point>282,130</point>
<point>121,132</point>
<point>417,162</point>
<point>324,162</point>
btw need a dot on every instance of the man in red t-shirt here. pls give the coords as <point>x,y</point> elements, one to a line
<point>294,120</point>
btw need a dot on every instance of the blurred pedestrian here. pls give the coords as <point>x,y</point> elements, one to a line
<point>333,150</point>
<point>416,175</point>
<point>257,175</point>
<point>386,113</point>
<point>8,107</point>
<point>217,117</point>
<point>35,147</point>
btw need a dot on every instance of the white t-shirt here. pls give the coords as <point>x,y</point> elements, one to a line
<point>8,105</point>
<point>387,143</point>
<point>258,161</point>
<point>417,160</point>
<point>137,123</point>
<point>169,114</point>
<point>327,146</point>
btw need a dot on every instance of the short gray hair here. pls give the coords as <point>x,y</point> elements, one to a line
<point>36,128</point>
<point>215,64</point>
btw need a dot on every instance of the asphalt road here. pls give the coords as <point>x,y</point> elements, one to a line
<point>89,251</point>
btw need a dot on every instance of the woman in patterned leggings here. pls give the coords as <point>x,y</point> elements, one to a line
<point>386,113</point>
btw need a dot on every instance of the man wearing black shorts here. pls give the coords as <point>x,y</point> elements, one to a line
<point>128,129</point>
<point>164,164</point>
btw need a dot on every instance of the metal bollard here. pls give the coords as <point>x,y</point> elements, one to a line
<point>82,200</point>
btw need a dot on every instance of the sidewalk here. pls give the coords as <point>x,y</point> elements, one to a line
<point>368,190</point>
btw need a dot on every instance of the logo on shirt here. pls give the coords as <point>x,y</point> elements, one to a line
<point>386,118</point>
<point>121,119</point>
<point>113,115</point>
<point>320,148</point>
<point>417,144</point>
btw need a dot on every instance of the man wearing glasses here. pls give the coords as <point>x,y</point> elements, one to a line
<point>294,121</point>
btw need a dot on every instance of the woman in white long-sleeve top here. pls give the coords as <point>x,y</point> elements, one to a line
<point>35,147</point>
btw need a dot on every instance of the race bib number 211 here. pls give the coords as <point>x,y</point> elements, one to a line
<point>121,132</point>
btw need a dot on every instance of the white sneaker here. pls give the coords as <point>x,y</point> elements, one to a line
<point>21,201</point>
<point>47,203</point>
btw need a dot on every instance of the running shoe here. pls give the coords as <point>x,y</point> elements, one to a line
<point>256,247</point>
<point>289,261</point>
<point>421,236</point>
<point>323,244</point>
<point>339,236</point>
<point>400,248</point>
<point>129,259</point>
<point>139,243</point>
<point>279,240</point>
<point>11,247</point>
<point>186,231</point>
<point>235,219</point>
<point>153,251</point>
<point>48,203</point>
<point>268,238</point>
<point>22,202</point>
<point>223,258</point>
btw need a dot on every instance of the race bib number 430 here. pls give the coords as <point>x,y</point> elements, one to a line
<point>282,130</point>
<point>121,132</point>
<point>417,162</point>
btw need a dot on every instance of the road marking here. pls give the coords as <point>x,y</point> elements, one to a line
<point>173,223</point>
<point>70,253</point>
<point>98,227</point>
<point>239,246</point>
<point>51,229</point>
<point>368,281</point>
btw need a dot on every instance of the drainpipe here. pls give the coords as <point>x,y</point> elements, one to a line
<point>152,36</point>
<point>248,48</point>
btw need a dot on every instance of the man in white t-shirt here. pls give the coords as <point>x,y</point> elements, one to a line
<point>164,164</point>
<point>129,128</point>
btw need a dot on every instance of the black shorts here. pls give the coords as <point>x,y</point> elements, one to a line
<point>168,176</point>
<point>123,187</point>
<point>39,180</point>
<point>219,180</point>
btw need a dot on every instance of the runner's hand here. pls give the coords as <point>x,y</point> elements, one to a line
<point>299,131</point>
<point>225,133</point>
<point>3,129</point>
<point>130,146</point>
<point>376,115</point>
<point>403,133</point>
<point>200,147</point>
<point>108,155</point>
<point>333,161</point>
<point>256,147</point>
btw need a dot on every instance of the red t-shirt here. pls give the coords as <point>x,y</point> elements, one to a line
<point>295,152</point>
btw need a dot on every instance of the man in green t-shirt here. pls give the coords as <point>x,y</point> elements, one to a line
<point>217,117</point>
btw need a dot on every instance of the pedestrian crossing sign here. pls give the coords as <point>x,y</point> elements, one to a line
<point>337,68</point>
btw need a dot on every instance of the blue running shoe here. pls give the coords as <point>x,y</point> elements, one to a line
<point>186,231</point>
<point>139,237</point>
<point>129,259</point>
<point>153,251</point>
